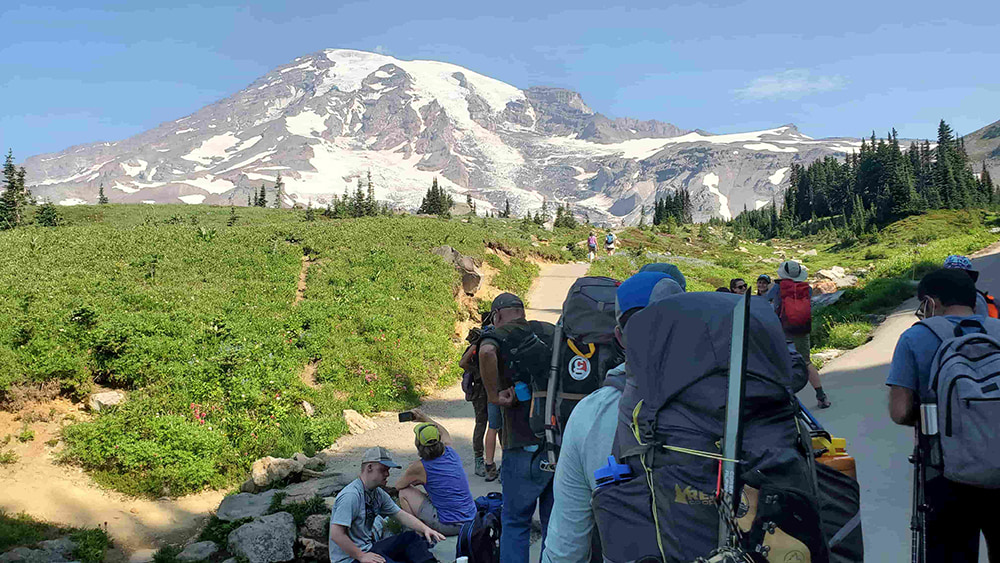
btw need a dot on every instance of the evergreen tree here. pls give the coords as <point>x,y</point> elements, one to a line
<point>48,216</point>
<point>506,209</point>
<point>15,197</point>
<point>278,191</point>
<point>233,217</point>
<point>261,200</point>
<point>249,203</point>
<point>371,205</point>
<point>310,212</point>
<point>101,198</point>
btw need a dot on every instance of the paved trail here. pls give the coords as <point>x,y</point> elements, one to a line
<point>856,384</point>
<point>450,408</point>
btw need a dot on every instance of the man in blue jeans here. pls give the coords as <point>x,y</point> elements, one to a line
<point>525,485</point>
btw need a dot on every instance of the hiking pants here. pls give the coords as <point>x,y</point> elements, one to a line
<point>408,547</point>
<point>525,486</point>
<point>479,404</point>
<point>958,514</point>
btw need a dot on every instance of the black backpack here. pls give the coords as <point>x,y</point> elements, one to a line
<point>526,350</point>
<point>583,350</point>
<point>479,540</point>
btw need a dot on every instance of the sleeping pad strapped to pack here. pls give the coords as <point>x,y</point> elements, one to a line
<point>678,353</point>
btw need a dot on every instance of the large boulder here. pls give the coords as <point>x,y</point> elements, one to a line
<point>824,286</point>
<point>471,276</point>
<point>324,487</point>
<point>50,551</point>
<point>267,471</point>
<point>198,551</point>
<point>313,463</point>
<point>268,539</point>
<point>245,505</point>
<point>316,527</point>
<point>358,423</point>
<point>101,401</point>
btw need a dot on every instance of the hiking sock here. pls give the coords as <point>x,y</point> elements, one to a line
<point>820,394</point>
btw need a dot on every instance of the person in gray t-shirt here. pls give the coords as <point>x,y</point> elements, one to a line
<point>352,520</point>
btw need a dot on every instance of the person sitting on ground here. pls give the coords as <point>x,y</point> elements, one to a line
<point>763,284</point>
<point>958,511</point>
<point>738,286</point>
<point>590,433</point>
<point>352,519</point>
<point>448,502</point>
<point>792,276</point>
<point>985,303</point>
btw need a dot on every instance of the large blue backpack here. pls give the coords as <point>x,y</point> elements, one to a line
<point>479,540</point>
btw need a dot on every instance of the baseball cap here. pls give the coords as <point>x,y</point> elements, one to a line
<point>378,454</point>
<point>764,277</point>
<point>634,292</point>
<point>669,269</point>
<point>663,289</point>
<point>506,301</point>
<point>959,262</point>
<point>427,434</point>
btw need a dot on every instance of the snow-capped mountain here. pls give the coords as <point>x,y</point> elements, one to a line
<point>329,118</point>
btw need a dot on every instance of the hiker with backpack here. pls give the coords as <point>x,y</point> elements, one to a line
<point>352,519</point>
<point>986,304</point>
<point>590,432</point>
<point>447,503</point>
<point>488,417</point>
<point>592,246</point>
<point>791,298</point>
<point>511,353</point>
<point>609,243</point>
<point>944,381</point>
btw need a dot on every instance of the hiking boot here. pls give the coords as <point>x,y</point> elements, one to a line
<point>491,472</point>
<point>822,401</point>
<point>480,467</point>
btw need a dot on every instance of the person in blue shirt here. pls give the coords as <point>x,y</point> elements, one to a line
<point>958,512</point>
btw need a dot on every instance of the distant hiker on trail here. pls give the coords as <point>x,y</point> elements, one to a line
<point>791,298</point>
<point>448,502</point>
<point>763,284</point>
<point>509,354</point>
<point>609,243</point>
<point>986,305</point>
<point>592,246</point>
<point>589,434</point>
<point>352,519</point>
<point>958,462</point>
<point>487,415</point>
<point>738,286</point>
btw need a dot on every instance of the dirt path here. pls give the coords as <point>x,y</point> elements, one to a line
<point>450,408</point>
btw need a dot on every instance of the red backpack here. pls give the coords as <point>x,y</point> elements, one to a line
<point>795,309</point>
<point>991,305</point>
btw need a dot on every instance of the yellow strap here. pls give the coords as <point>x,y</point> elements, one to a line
<point>572,346</point>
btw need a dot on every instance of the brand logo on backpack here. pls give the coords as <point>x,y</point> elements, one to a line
<point>579,368</point>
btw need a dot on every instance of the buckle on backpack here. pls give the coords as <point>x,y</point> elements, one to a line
<point>612,473</point>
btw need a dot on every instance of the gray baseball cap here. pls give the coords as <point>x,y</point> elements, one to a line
<point>378,454</point>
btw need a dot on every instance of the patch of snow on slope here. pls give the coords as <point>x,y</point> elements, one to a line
<point>182,131</point>
<point>250,160</point>
<point>214,147</point>
<point>134,170</point>
<point>584,176</point>
<point>124,188</point>
<point>769,147</point>
<point>162,150</point>
<point>711,181</point>
<point>75,177</point>
<point>305,66</point>
<point>599,201</point>
<point>192,199</point>
<point>149,202</point>
<point>306,123</point>
<point>209,184</point>
<point>72,201</point>
<point>759,203</point>
<point>777,177</point>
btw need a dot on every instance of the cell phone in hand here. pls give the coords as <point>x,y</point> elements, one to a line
<point>406,416</point>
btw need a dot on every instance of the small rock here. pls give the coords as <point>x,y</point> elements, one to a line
<point>824,286</point>
<point>61,546</point>
<point>831,274</point>
<point>99,401</point>
<point>357,423</point>
<point>824,299</point>
<point>827,355</point>
<point>995,230</point>
<point>22,555</point>
<point>244,505</point>
<point>312,549</point>
<point>268,539</point>
<point>198,551</point>
<point>142,556</point>
<point>230,560</point>
<point>812,252</point>
<point>838,271</point>
<point>316,527</point>
<point>308,409</point>
<point>847,281</point>
<point>267,471</point>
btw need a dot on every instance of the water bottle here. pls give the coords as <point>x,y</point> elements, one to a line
<point>523,391</point>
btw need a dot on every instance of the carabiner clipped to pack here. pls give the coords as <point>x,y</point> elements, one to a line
<point>612,473</point>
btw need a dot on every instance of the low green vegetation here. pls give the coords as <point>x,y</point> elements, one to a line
<point>23,530</point>
<point>195,317</point>
<point>515,277</point>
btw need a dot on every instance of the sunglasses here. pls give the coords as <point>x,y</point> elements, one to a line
<point>925,309</point>
<point>743,286</point>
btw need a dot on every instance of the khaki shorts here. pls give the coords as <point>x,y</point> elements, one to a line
<point>802,345</point>
<point>428,515</point>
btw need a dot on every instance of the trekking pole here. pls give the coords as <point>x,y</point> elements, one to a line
<point>915,532</point>
<point>732,445</point>
<point>549,464</point>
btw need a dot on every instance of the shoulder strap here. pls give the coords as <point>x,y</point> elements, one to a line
<point>941,327</point>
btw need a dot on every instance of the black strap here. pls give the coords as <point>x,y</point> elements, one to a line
<point>968,323</point>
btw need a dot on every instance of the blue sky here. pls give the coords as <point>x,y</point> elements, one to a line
<point>76,72</point>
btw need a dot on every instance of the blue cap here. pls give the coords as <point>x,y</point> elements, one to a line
<point>958,262</point>
<point>669,269</point>
<point>634,292</point>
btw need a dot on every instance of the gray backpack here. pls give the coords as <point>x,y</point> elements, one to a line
<point>962,403</point>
